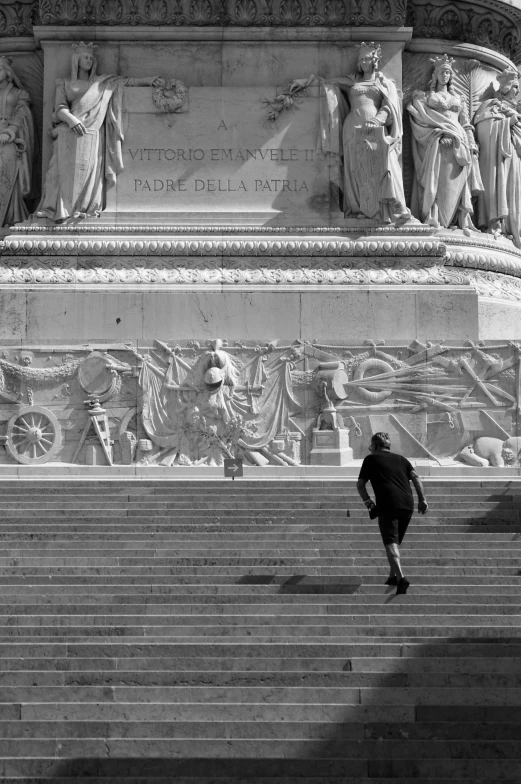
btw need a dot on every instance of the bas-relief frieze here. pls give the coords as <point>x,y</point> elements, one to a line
<point>224,12</point>
<point>280,403</point>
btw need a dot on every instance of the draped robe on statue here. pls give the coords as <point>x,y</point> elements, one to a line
<point>82,168</point>
<point>16,155</point>
<point>500,164</point>
<point>368,171</point>
<point>446,177</point>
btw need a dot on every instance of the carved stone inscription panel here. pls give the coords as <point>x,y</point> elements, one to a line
<point>221,155</point>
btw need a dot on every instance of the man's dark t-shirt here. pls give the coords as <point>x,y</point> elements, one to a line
<point>389,475</point>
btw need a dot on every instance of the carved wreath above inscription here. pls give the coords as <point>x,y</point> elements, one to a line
<point>171,97</point>
<point>224,12</point>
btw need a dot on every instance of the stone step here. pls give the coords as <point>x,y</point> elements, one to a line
<point>444,649</point>
<point>471,731</point>
<point>431,526</point>
<point>341,579</point>
<point>269,567</point>
<point>286,779</point>
<point>155,678</point>
<point>161,556</point>
<point>261,501</point>
<point>54,540</point>
<point>401,606</point>
<point>447,665</point>
<point>263,749</point>
<point>347,616</point>
<point>392,632</point>
<point>307,591</point>
<point>463,704</point>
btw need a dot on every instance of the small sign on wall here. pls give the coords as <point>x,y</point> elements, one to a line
<point>233,467</point>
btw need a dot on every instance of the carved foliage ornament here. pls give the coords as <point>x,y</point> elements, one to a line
<point>17,17</point>
<point>495,26</point>
<point>224,12</point>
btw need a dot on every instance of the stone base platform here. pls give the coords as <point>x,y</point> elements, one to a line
<point>154,474</point>
<point>408,281</point>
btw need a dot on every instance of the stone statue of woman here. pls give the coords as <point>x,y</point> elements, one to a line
<point>364,131</point>
<point>444,151</point>
<point>16,146</point>
<point>88,132</point>
<point>498,128</point>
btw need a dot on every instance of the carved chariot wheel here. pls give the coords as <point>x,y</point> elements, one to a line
<point>33,435</point>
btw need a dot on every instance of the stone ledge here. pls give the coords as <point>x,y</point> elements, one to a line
<point>68,472</point>
<point>221,246</point>
<point>256,32</point>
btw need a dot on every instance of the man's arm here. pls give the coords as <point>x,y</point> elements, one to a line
<point>422,503</point>
<point>360,486</point>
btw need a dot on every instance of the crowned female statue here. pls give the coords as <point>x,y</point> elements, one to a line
<point>498,129</point>
<point>16,146</point>
<point>362,129</point>
<point>444,152</point>
<point>88,133</point>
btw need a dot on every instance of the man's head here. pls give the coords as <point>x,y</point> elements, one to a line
<point>380,441</point>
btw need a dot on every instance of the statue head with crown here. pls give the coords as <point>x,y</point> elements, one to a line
<point>442,73</point>
<point>509,83</point>
<point>6,71</point>
<point>369,56</point>
<point>83,60</point>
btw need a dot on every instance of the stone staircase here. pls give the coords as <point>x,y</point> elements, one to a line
<point>203,632</point>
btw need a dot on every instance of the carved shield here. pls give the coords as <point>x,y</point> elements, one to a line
<point>371,167</point>
<point>76,161</point>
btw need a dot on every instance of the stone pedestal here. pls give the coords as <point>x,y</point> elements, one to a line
<point>331,448</point>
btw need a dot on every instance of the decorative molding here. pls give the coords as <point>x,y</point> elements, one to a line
<point>491,24</point>
<point>246,272</point>
<point>244,13</point>
<point>220,247</point>
<point>497,286</point>
<point>273,273</point>
<point>17,17</point>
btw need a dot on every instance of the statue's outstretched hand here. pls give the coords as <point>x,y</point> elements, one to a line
<point>159,82</point>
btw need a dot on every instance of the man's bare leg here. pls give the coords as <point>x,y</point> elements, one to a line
<point>393,556</point>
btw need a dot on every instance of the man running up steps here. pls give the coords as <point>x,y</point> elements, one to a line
<point>390,476</point>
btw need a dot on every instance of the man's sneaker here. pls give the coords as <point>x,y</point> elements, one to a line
<point>402,586</point>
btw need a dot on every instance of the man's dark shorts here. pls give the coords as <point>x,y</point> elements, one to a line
<point>394,526</point>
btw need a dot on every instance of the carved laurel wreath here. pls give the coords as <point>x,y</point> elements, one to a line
<point>171,97</point>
